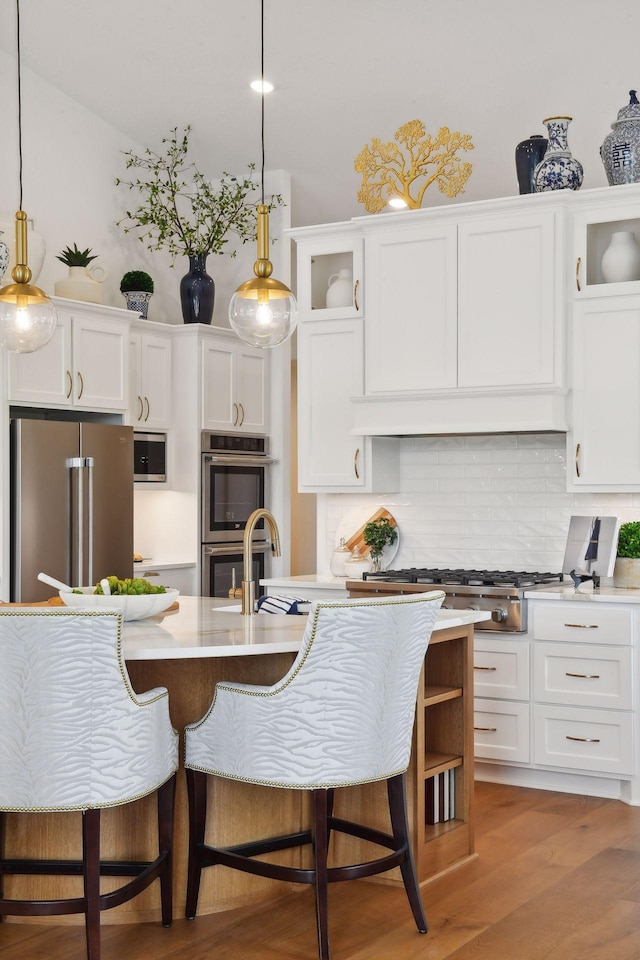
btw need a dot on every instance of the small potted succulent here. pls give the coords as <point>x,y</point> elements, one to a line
<point>377,534</point>
<point>83,281</point>
<point>137,286</point>
<point>626,572</point>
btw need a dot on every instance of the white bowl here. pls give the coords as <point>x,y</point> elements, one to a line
<point>132,607</point>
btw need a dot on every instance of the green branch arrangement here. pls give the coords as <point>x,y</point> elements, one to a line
<point>180,210</point>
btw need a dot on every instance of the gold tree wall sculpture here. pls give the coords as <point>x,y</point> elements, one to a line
<point>391,169</point>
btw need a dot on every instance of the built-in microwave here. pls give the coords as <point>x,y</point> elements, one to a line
<point>149,457</point>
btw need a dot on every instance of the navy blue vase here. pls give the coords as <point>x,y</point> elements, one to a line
<point>529,153</point>
<point>197,292</point>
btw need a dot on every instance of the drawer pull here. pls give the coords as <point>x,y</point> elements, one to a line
<point>584,676</point>
<point>583,626</point>
<point>584,739</point>
<point>484,668</point>
<point>486,729</point>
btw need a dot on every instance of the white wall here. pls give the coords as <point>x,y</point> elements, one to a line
<point>495,502</point>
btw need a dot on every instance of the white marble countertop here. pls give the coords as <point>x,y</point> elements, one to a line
<point>586,592</point>
<point>147,563</point>
<point>202,628</point>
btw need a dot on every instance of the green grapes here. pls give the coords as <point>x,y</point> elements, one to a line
<point>131,586</point>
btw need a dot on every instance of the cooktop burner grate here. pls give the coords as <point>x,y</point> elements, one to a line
<point>471,578</point>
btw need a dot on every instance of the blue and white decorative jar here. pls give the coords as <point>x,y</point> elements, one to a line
<point>620,151</point>
<point>4,258</point>
<point>557,170</point>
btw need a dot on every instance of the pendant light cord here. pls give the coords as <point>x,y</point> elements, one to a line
<point>19,102</point>
<point>262,91</point>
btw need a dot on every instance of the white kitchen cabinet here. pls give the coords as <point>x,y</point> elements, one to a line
<point>411,333</point>
<point>602,213</point>
<point>603,443</point>
<point>473,303</point>
<point>318,260</point>
<point>509,310</point>
<point>330,458</point>
<point>182,578</point>
<point>234,386</point>
<point>501,730</point>
<point>85,365</point>
<point>150,380</point>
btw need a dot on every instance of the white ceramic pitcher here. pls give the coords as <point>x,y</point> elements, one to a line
<point>340,289</point>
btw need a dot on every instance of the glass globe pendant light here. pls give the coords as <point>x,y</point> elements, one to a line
<point>263,311</point>
<point>27,316</point>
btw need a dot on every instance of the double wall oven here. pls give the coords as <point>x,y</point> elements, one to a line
<point>234,483</point>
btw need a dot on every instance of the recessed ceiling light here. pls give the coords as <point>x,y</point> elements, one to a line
<point>261,86</point>
<point>397,202</point>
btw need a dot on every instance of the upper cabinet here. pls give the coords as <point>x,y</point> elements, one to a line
<point>85,365</point>
<point>234,386</point>
<point>606,237</point>
<point>330,276</point>
<point>150,379</point>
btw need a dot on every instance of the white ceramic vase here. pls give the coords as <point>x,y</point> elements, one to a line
<point>340,289</point>
<point>621,259</point>
<point>83,283</point>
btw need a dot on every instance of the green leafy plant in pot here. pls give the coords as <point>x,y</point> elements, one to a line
<point>377,534</point>
<point>182,211</point>
<point>626,572</point>
<point>137,287</point>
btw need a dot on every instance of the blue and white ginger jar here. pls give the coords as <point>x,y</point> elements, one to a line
<point>620,151</point>
<point>557,170</point>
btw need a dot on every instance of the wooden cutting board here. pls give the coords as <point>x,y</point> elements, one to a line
<point>357,539</point>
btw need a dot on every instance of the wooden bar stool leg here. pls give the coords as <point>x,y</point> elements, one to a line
<point>396,791</point>
<point>166,797</point>
<point>197,793</point>
<point>91,867</point>
<point>320,844</point>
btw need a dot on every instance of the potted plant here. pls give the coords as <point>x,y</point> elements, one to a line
<point>83,281</point>
<point>181,211</point>
<point>137,288</point>
<point>377,534</point>
<point>626,572</point>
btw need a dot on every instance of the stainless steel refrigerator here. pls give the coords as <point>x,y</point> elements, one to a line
<point>71,504</point>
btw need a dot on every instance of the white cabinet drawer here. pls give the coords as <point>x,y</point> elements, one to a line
<point>501,730</point>
<point>584,675</point>
<point>501,668</point>
<point>586,622</point>
<point>597,740</point>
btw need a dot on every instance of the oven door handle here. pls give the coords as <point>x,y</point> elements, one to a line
<point>234,548</point>
<point>237,461</point>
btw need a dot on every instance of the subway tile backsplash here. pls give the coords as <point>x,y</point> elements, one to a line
<point>492,501</point>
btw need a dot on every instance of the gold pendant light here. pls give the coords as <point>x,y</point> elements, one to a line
<point>263,311</point>
<point>27,316</point>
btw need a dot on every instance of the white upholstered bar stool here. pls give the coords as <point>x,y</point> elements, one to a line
<point>342,715</point>
<point>75,737</point>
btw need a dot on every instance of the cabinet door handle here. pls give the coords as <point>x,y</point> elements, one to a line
<point>235,414</point>
<point>486,729</point>
<point>70,381</point>
<point>81,382</point>
<point>578,262</point>
<point>151,573</point>
<point>584,676</point>
<point>355,294</point>
<point>242,414</point>
<point>146,400</point>
<point>141,410</point>
<point>577,459</point>
<point>584,739</point>
<point>355,463</point>
<point>484,668</point>
<point>583,626</point>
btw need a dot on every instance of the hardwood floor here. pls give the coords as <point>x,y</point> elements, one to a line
<point>557,877</point>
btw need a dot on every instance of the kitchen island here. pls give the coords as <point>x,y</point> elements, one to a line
<point>188,651</point>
